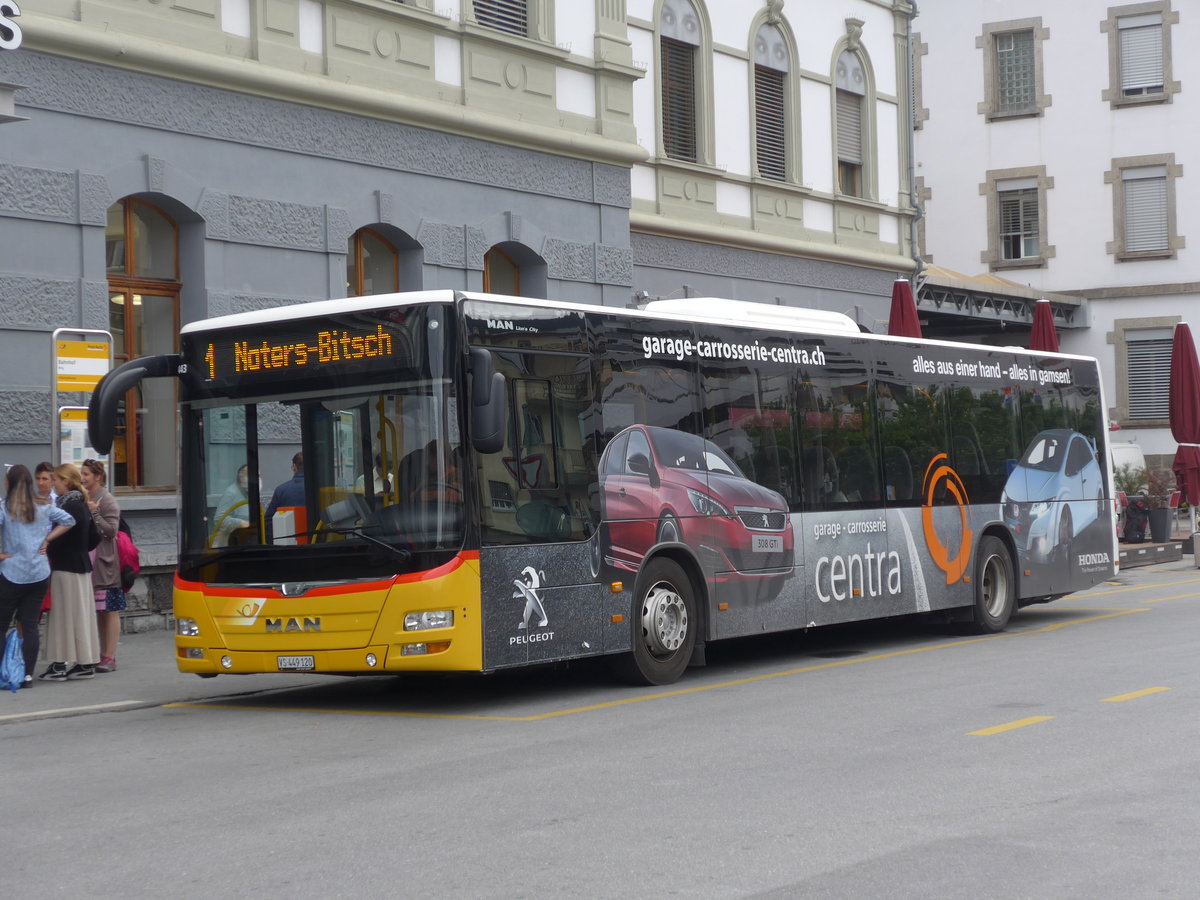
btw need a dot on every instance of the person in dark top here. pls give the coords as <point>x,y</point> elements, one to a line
<point>290,493</point>
<point>71,634</point>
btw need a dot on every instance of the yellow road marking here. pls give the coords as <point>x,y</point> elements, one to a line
<point>1127,588</point>
<point>1134,695</point>
<point>679,692</point>
<point>1176,597</point>
<point>1009,726</point>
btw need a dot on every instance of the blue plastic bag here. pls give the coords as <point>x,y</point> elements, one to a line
<point>12,666</point>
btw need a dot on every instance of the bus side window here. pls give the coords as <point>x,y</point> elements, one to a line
<point>537,485</point>
<point>897,474</point>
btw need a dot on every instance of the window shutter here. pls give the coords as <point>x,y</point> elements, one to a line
<point>1146,214</point>
<point>1018,223</point>
<point>679,99</point>
<point>1141,59</point>
<point>511,16</point>
<point>1149,364</point>
<point>769,134</point>
<point>849,127</point>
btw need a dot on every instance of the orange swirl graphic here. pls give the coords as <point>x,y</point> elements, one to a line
<point>940,473</point>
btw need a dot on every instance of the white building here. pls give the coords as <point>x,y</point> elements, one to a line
<point>1054,139</point>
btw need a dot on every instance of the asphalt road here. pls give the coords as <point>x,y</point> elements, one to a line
<point>1057,760</point>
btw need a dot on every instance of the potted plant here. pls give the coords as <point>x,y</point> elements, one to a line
<point>1160,484</point>
<point>1130,480</point>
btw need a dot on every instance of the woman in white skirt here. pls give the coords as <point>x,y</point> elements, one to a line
<point>71,635</point>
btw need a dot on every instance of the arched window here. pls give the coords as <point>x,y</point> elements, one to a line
<point>679,45</point>
<point>770,103</point>
<point>850,82</point>
<point>142,253</point>
<point>512,268</point>
<point>500,274</point>
<point>372,264</point>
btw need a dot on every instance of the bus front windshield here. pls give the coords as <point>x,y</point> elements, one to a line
<point>322,486</point>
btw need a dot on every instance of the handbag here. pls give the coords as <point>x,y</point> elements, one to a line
<point>12,665</point>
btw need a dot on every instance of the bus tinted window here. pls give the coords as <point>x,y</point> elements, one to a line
<point>749,414</point>
<point>537,486</point>
<point>912,431</point>
<point>839,460</point>
<point>984,438</point>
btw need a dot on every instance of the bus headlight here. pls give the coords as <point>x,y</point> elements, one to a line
<point>187,628</point>
<point>435,618</point>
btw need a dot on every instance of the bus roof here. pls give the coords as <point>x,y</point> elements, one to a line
<point>318,308</point>
<point>714,310</point>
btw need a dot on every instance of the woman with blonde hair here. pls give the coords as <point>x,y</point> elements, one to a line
<point>27,527</point>
<point>71,632</point>
<point>106,566</point>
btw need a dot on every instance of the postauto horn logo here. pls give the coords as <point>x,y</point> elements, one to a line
<point>941,479</point>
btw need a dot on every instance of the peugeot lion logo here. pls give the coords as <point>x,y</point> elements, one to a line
<point>528,587</point>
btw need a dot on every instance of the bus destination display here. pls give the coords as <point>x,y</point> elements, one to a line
<point>277,351</point>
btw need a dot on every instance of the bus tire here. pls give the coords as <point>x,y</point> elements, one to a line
<point>664,625</point>
<point>995,586</point>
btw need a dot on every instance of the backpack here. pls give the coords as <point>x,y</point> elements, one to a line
<point>1136,514</point>
<point>128,556</point>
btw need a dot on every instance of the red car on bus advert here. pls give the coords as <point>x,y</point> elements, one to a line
<point>659,485</point>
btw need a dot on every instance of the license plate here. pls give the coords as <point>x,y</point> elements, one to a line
<point>295,663</point>
<point>768,543</point>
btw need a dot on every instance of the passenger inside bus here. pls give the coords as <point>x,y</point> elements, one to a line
<point>382,486</point>
<point>231,513</point>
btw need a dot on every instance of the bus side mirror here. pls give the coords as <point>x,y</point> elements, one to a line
<point>487,403</point>
<point>112,388</point>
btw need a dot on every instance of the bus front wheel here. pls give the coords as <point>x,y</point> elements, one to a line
<point>664,626</point>
<point>995,586</point>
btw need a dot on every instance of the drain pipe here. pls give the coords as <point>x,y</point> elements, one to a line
<point>914,199</point>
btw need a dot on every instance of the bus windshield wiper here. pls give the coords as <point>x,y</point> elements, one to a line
<point>357,531</point>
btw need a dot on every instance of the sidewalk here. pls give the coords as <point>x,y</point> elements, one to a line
<point>146,677</point>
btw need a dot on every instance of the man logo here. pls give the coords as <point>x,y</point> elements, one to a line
<point>941,480</point>
<point>278,626</point>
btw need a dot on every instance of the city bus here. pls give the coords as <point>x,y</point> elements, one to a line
<point>478,482</point>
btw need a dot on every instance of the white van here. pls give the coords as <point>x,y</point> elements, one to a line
<point>1125,453</point>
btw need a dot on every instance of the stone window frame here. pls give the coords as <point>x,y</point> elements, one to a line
<point>1175,242</point>
<point>1119,340</point>
<point>705,134</point>
<point>869,167</point>
<point>986,41</point>
<point>920,113</point>
<point>792,121</point>
<point>1113,94</point>
<point>992,256</point>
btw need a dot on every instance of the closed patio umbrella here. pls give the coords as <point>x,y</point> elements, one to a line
<point>1043,337</point>
<point>1183,401</point>
<point>903,321</point>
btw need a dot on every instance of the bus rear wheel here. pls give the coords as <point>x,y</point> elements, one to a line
<point>995,586</point>
<point>664,626</point>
